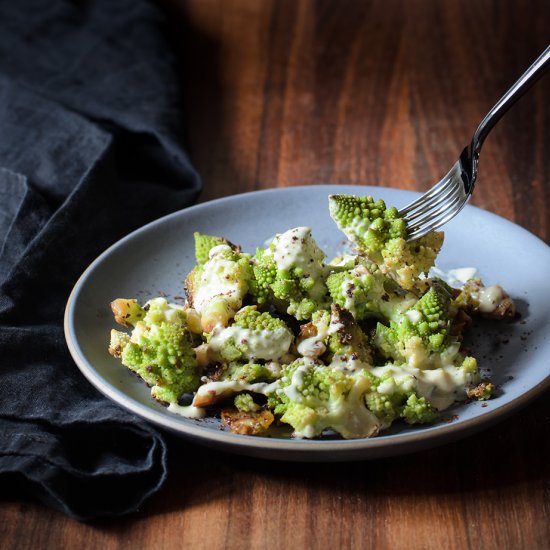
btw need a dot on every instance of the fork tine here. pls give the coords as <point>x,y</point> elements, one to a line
<point>436,209</point>
<point>450,189</point>
<point>449,178</point>
<point>449,214</point>
<point>424,198</point>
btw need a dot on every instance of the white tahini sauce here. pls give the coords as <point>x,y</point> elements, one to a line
<point>189,412</point>
<point>218,280</point>
<point>489,298</point>
<point>259,344</point>
<point>296,248</point>
<point>414,316</point>
<point>454,277</point>
<point>227,387</point>
<point>442,386</point>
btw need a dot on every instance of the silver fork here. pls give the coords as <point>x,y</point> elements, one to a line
<point>447,197</point>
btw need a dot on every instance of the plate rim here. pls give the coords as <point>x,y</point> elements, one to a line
<point>429,436</point>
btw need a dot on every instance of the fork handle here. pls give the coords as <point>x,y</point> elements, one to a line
<point>525,81</point>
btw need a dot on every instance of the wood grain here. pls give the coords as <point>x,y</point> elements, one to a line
<point>379,92</point>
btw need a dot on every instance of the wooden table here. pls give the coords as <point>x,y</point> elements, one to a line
<point>378,92</point>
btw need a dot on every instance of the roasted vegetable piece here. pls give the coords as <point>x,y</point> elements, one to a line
<point>291,274</point>
<point>247,422</point>
<point>205,243</point>
<point>491,302</point>
<point>127,311</point>
<point>380,234</point>
<point>159,350</point>
<point>216,288</point>
<point>312,397</point>
<point>423,330</point>
<point>253,335</point>
<point>346,339</point>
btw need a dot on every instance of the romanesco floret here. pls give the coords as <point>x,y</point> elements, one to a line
<point>418,410</point>
<point>217,288</point>
<point>367,223</point>
<point>312,397</point>
<point>244,402</point>
<point>421,331</point>
<point>346,340</point>
<point>399,403</point>
<point>366,292</point>
<point>249,373</point>
<point>205,243</point>
<point>291,274</point>
<point>253,335</point>
<point>356,290</point>
<point>483,391</point>
<point>386,407</point>
<point>380,233</point>
<point>406,261</point>
<point>160,351</point>
<point>127,312</point>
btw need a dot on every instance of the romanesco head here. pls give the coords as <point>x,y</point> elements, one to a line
<point>390,399</point>
<point>217,288</point>
<point>250,318</point>
<point>252,336</point>
<point>422,329</point>
<point>418,410</point>
<point>205,243</point>
<point>346,339</point>
<point>366,222</point>
<point>357,290</point>
<point>312,397</point>
<point>244,402</point>
<point>265,273</point>
<point>291,274</point>
<point>160,351</point>
<point>380,233</point>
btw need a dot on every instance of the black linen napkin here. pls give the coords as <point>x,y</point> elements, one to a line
<point>90,149</point>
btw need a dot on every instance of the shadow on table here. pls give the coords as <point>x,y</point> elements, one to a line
<point>482,466</point>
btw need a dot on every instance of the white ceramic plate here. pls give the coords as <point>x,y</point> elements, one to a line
<point>157,257</point>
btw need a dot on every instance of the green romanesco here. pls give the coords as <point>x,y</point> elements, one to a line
<point>380,233</point>
<point>422,330</point>
<point>127,312</point>
<point>418,410</point>
<point>346,340</point>
<point>401,402</point>
<point>244,402</point>
<point>366,292</point>
<point>356,290</point>
<point>291,274</point>
<point>312,397</point>
<point>248,373</point>
<point>205,243</point>
<point>252,336</point>
<point>334,336</point>
<point>160,351</point>
<point>217,288</point>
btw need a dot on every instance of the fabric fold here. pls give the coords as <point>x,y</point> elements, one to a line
<point>91,119</point>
